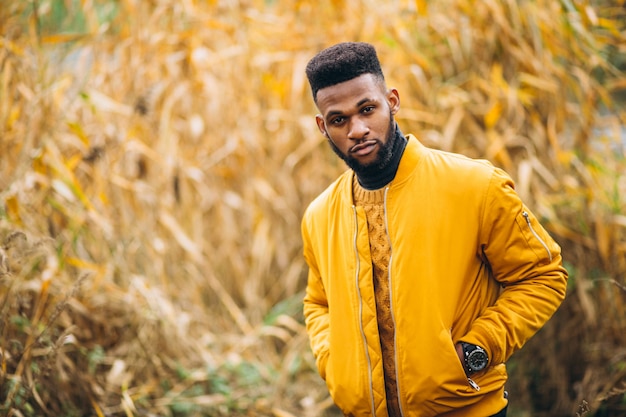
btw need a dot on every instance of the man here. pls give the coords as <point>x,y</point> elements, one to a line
<point>426,271</point>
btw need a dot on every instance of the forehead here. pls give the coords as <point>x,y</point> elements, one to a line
<point>350,93</point>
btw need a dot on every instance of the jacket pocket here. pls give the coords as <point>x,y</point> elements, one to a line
<point>344,379</point>
<point>460,372</point>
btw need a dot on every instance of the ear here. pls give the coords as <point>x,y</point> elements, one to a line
<point>321,125</point>
<point>393,98</point>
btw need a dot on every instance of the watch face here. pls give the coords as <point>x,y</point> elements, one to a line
<point>477,360</point>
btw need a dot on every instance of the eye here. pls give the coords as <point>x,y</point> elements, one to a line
<point>368,109</point>
<point>337,120</point>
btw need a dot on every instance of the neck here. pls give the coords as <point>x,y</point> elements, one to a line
<point>373,180</point>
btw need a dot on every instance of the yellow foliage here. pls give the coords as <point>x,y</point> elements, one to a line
<point>168,152</point>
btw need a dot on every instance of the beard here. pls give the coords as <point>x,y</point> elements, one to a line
<point>383,158</point>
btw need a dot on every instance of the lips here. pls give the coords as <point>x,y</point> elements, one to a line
<point>363,148</point>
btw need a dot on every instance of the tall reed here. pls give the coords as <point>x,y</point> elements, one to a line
<point>156,157</point>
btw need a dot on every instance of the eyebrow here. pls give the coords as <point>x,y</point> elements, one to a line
<point>358,104</point>
<point>362,102</point>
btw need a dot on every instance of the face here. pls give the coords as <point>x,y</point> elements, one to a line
<point>357,117</point>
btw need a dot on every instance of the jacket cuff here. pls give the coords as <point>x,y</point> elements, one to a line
<point>482,337</point>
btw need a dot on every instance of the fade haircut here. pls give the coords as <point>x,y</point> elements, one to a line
<point>342,62</point>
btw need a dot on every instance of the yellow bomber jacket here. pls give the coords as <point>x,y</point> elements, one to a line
<point>469,262</point>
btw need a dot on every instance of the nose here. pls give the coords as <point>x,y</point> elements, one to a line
<point>358,129</point>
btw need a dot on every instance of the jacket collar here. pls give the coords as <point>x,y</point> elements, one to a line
<point>413,154</point>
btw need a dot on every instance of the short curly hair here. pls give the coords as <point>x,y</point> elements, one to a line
<point>342,62</point>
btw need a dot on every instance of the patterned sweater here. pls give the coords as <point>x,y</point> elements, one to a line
<point>373,204</point>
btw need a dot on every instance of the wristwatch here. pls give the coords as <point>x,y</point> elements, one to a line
<point>475,358</point>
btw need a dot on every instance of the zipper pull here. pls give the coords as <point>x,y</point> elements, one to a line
<point>473,384</point>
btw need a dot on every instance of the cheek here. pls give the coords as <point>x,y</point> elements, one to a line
<point>338,141</point>
<point>335,135</point>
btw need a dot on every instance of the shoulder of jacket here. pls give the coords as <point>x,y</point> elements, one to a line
<point>341,188</point>
<point>464,160</point>
<point>435,156</point>
<point>471,170</point>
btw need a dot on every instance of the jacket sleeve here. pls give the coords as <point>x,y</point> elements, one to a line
<point>315,306</point>
<point>526,261</point>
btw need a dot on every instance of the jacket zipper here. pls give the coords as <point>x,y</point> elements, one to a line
<point>527,217</point>
<point>473,384</point>
<point>393,318</point>
<point>358,290</point>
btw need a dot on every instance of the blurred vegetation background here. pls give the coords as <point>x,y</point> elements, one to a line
<point>156,157</point>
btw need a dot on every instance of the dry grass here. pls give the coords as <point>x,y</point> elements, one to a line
<point>155,158</point>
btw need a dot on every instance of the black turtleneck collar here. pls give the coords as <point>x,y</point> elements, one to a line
<point>383,173</point>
